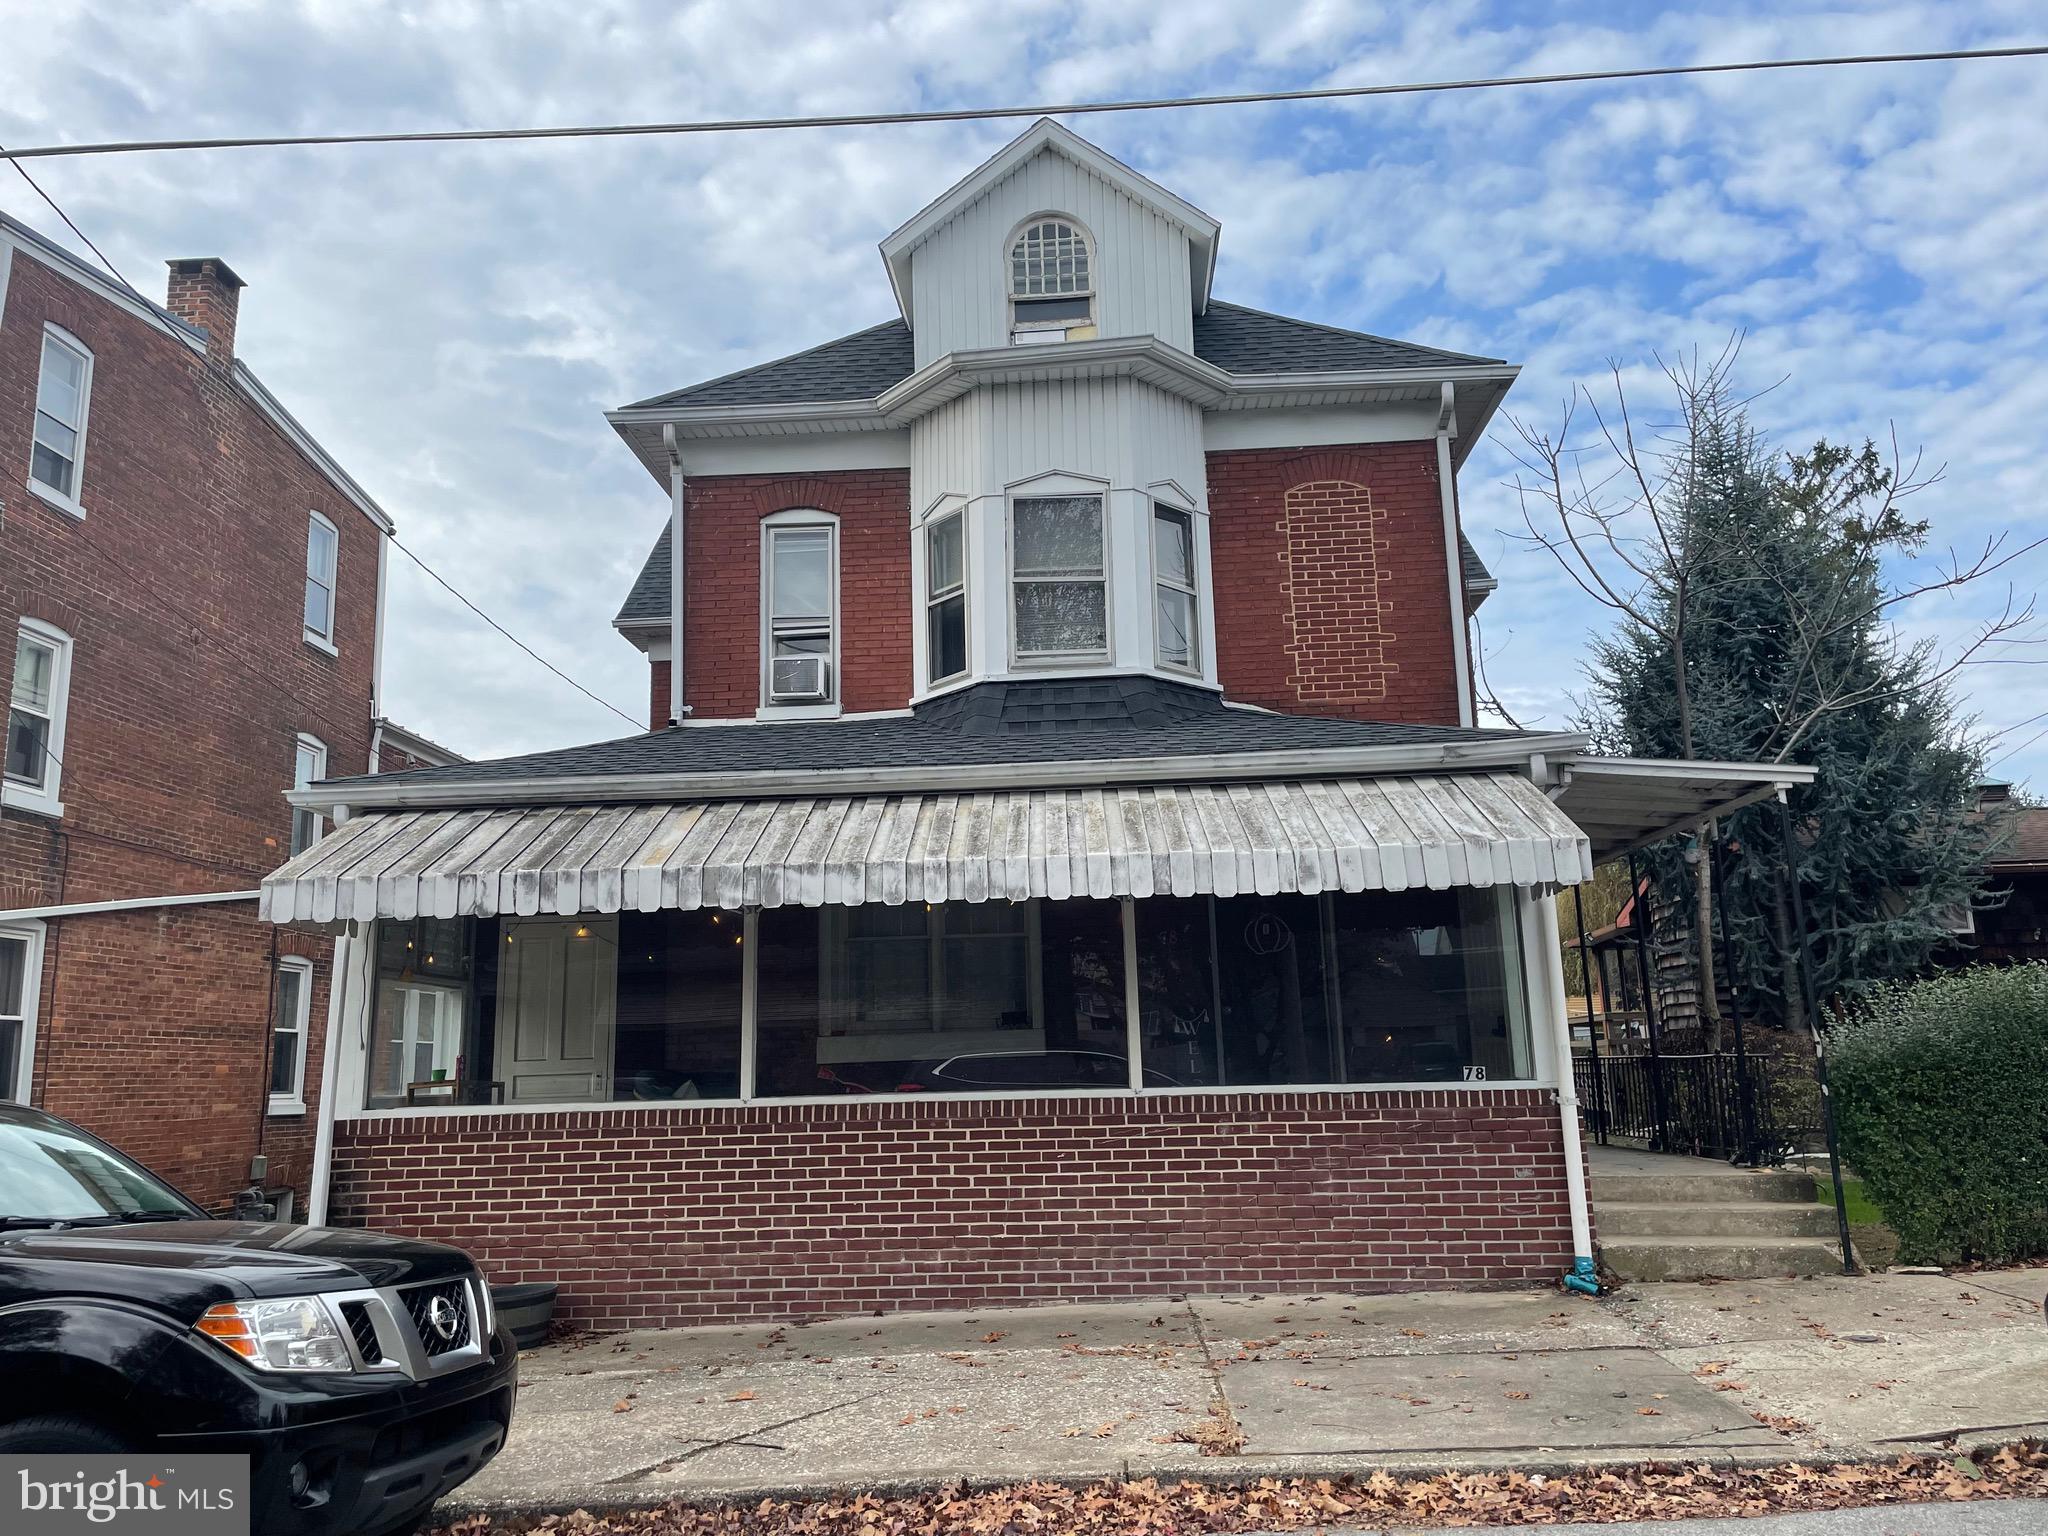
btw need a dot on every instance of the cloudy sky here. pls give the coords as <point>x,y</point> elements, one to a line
<point>453,320</point>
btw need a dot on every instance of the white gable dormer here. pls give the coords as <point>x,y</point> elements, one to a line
<point>1051,239</point>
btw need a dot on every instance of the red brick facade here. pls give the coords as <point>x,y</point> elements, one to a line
<point>695,1216</point>
<point>722,616</point>
<point>182,590</point>
<point>1332,597</point>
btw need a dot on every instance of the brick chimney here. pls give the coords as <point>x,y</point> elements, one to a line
<point>205,292</point>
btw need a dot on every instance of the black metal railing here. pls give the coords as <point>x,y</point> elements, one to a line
<point>1711,1104</point>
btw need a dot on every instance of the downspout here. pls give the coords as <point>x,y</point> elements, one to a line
<point>318,1185</point>
<point>1454,557</point>
<point>1582,1277</point>
<point>676,708</point>
<point>377,657</point>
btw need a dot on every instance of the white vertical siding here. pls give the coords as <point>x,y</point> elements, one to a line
<point>960,275</point>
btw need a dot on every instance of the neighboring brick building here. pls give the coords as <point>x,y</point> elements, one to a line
<point>188,622</point>
<point>1073,870</point>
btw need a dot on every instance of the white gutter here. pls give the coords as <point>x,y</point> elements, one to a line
<point>320,1183</point>
<point>377,700</point>
<point>1454,556</point>
<point>676,708</point>
<point>402,792</point>
<point>131,904</point>
<point>1582,1277</point>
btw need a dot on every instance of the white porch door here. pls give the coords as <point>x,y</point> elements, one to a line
<point>556,996</point>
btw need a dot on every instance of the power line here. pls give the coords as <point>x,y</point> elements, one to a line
<point>1048,109</point>
<point>501,629</point>
<point>38,188</point>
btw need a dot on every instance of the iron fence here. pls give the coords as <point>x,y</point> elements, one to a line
<point>1751,1109</point>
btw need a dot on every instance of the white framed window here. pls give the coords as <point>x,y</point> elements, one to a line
<point>288,1035</point>
<point>21,975</point>
<point>309,766</point>
<point>1052,292</point>
<point>945,606</point>
<point>799,609</point>
<point>37,703</point>
<point>1176,600</point>
<point>1059,591</point>
<point>63,400</point>
<point>323,548</point>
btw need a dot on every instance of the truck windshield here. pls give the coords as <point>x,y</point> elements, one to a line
<point>50,1173</point>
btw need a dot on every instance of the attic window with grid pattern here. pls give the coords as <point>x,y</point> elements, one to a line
<point>1052,292</point>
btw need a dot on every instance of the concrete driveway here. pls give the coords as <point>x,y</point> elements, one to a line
<point>1757,1371</point>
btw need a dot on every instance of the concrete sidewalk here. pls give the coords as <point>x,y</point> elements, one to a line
<point>1752,1371</point>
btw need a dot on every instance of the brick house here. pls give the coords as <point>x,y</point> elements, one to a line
<point>1063,863</point>
<point>190,604</point>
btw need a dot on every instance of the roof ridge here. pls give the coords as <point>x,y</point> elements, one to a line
<point>1341,330</point>
<point>668,396</point>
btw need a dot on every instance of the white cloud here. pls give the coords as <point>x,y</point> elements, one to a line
<point>453,320</point>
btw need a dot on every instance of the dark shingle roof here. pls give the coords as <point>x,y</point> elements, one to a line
<point>1240,340</point>
<point>1069,720</point>
<point>1245,340</point>
<point>647,603</point>
<point>856,367</point>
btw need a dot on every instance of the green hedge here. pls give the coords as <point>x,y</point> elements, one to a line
<point>1941,1096</point>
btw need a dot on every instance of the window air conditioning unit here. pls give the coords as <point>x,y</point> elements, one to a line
<point>800,679</point>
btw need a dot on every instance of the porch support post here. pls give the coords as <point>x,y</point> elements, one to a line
<point>1583,1277</point>
<point>1639,899</point>
<point>750,1000</point>
<point>1592,1032</point>
<point>1810,993</point>
<point>338,1039</point>
<point>1134,1030</point>
<point>1749,1149</point>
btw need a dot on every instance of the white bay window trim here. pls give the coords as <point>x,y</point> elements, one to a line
<point>63,408</point>
<point>288,1035</point>
<point>1176,592</point>
<point>23,943</point>
<point>38,703</point>
<point>790,535</point>
<point>323,559</point>
<point>1022,502</point>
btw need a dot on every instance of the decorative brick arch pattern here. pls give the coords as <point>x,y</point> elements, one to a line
<point>1331,593</point>
<point>1332,556</point>
<point>722,639</point>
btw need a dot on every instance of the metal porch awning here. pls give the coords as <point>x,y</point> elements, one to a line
<point>1626,803</point>
<point>1354,834</point>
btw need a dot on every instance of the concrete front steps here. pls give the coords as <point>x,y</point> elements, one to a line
<point>1681,1218</point>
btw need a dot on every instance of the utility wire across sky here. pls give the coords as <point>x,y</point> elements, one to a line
<point>1045,109</point>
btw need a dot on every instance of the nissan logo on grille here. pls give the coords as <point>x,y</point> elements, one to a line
<point>443,1318</point>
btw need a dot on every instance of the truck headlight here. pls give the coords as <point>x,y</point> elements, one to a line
<point>295,1334</point>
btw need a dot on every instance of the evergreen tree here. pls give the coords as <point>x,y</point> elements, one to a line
<point>1758,628</point>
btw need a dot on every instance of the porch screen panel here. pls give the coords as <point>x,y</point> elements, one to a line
<point>947,998</point>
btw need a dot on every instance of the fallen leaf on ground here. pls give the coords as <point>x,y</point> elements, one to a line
<point>741,1397</point>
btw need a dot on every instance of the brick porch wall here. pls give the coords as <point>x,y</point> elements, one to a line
<point>675,1217</point>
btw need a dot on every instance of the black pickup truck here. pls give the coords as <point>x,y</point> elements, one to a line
<point>363,1375</point>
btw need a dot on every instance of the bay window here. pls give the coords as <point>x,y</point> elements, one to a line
<point>1058,591</point>
<point>1176,606</point>
<point>945,568</point>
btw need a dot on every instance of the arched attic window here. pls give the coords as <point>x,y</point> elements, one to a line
<point>1052,282</point>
